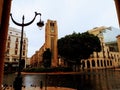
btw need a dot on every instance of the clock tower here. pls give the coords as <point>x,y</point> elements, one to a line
<point>51,37</point>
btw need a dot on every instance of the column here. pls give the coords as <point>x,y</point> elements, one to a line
<point>3,34</point>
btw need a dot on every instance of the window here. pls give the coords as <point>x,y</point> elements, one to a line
<point>7,51</point>
<point>52,45</point>
<point>10,32</point>
<point>16,39</point>
<point>110,63</point>
<point>16,52</point>
<point>16,46</point>
<point>9,38</point>
<point>24,41</point>
<point>8,45</point>
<point>23,53</point>
<point>52,26</point>
<point>23,47</point>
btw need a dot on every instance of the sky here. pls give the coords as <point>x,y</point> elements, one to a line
<point>71,16</point>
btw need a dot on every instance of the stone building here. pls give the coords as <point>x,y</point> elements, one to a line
<point>13,48</point>
<point>109,57</point>
<point>51,37</point>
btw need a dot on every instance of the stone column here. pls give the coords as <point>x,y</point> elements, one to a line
<point>117,4</point>
<point>6,6</point>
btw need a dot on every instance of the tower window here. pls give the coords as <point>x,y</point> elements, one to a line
<point>52,24</point>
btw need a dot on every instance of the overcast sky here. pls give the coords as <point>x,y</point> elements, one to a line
<point>71,16</point>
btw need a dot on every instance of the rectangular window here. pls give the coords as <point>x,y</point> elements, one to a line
<point>52,45</point>
<point>23,53</point>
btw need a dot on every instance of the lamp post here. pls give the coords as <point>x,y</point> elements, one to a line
<point>18,80</point>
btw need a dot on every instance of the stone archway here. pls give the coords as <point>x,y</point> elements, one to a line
<point>83,65</point>
<point>88,64</point>
<point>93,63</point>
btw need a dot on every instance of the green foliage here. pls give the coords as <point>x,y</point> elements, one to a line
<point>47,58</point>
<point>78,46</point>
<point>55,69</point>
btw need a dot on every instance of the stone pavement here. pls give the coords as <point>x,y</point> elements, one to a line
<point>38,88</point>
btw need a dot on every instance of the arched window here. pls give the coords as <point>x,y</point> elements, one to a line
<point>105,63</point>
<point>98,64</point>
<point>101,63</point>
<point>110,63</point>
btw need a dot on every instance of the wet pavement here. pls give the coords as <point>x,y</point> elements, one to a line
<point>87,80</point>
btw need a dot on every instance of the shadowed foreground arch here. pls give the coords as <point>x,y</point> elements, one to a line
<point>5,6</point>
<point>88,64</point>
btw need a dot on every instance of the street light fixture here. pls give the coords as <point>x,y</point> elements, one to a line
<point>18,80</point>
<point>40,24</point>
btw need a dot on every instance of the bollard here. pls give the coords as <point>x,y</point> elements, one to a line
<point>17,84</point>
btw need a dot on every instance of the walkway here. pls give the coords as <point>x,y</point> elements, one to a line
<point>38,88</point>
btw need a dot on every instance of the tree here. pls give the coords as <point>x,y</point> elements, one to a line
<point>78,46</point>
<point>47,58</point>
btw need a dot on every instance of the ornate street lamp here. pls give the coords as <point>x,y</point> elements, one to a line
<point>18,80</point>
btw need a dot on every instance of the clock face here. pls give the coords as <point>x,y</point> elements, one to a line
<point>52,29</point>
